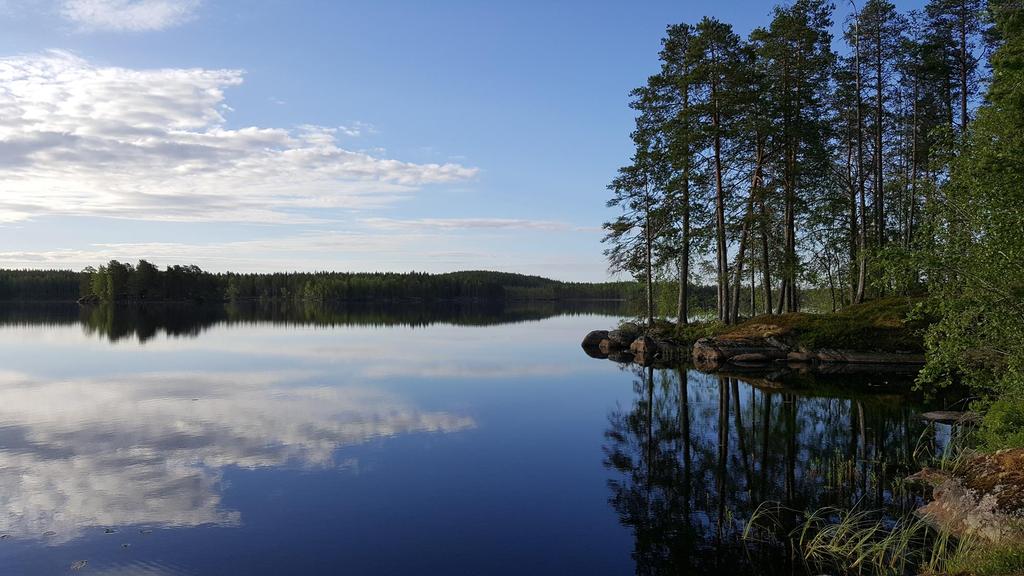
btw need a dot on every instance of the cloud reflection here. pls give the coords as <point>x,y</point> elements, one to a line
<point>151,449</point>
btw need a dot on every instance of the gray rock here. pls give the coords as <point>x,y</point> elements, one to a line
<point>622,338</point>
<point>800,356</point>
<point>594,338</point>
<point>644,345</point>
<point>750,358</point>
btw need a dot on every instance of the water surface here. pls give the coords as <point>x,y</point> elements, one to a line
<point>436,439</point>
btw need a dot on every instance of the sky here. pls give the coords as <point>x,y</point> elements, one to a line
<point>348,135</point>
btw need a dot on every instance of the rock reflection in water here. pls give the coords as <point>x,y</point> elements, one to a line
<point>695,454</point>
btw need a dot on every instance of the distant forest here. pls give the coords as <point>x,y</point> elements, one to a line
<point>144,282</point>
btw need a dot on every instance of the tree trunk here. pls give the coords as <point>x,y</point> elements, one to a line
<point>851,182</point>
<point>755,187</point>
<point>913,172</point>
<point>862,264</point>
<point>879,142</point>
<point>649,246</point>
<point>766,274</point>
<point>783,288</point>
<point>753,295</point>
<point>723,257</point>
<point>683,305</point>
<point>790,236</point>
<point>683,308</point>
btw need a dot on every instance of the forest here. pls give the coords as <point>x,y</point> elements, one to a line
<point>144,282</point>
<point>887,162</point>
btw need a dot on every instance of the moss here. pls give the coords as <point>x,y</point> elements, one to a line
<point>883,325</point>
<point>989,561</point>
<point>690,333</point>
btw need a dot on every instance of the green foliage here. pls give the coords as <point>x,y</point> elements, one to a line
<point>119,282</point>
<point>27,285</point>
<point>975,261</point>
<point>1003,425</point>
<point>696,330</point>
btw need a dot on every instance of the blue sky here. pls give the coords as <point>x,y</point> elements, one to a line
<point>300,135</point>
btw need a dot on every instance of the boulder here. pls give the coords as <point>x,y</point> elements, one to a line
<point>621,356</point>
<point>750,358</point>
<point>983,499</point>
<point>706,354</point>
<point>593,339</point>
<point>644,345</point>
<point>711,353</point>
<point>801,357</point>
<point>622,338</point>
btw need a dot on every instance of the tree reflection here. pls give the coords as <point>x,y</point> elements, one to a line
<point>145,321</point>
<point>695,454</point>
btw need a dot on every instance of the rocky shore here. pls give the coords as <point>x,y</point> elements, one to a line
<point>725,352</point>
<point>874,336</point>
<point>632,344</point>
<point>730,353</point>
<point>981,497</point>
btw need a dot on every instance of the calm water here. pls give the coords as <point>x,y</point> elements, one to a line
<point>428,440</point>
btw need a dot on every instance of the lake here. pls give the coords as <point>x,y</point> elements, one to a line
<point>440,439</point>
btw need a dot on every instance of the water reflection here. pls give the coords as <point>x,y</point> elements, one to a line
<point>144,322</point>
<point>695,454</point>
<point>269,444</point>
<point>151,449</point>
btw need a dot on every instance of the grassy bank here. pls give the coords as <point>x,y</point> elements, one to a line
<point>892,324</point>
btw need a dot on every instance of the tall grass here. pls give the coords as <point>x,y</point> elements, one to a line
<point>862,541</point>
<point>868,542</point>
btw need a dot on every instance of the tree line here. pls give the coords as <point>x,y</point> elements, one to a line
<point>144,282</point>
<point>774,164</point>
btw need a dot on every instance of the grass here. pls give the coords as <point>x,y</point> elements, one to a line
<point>883,325</point>
<point>863,542</point>
<point>997,561</point>
<point>878,325</point>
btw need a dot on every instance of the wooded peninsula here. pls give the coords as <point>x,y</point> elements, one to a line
<point>885,169</point>
<point>775,167</point>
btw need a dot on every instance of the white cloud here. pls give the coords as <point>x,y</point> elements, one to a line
<point>129,15</point>
<point>357,129</point>
<point>441,224</point>
<point>81,139</point>
<point>351,250</point>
